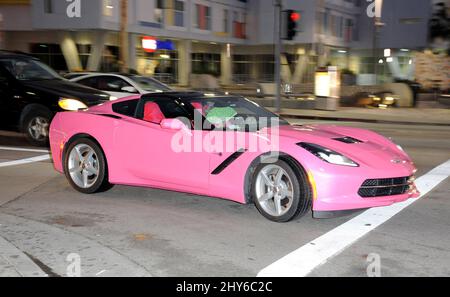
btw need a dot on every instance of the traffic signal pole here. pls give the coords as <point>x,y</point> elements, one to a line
<point>277,40</point>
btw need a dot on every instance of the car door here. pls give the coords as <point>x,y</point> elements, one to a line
<point>9,109</point>
<point>151,155</point>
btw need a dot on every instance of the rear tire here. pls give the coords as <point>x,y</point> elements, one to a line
<point>85,166</point>
<point>279,192</point>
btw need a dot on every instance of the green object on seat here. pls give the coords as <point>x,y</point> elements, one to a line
<point>220,114</point>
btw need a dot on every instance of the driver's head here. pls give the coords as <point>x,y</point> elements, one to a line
<point>19,67</point>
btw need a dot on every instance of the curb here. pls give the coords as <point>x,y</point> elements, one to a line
<point>17,262</point>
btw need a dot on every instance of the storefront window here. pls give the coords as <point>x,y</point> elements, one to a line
<point>50,54</point>
<point>205,63</point>
<point>110,59</point>
<point>161,65</point>
<point>84,52</point>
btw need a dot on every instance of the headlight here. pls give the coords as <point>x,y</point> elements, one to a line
<point>328,155</point>
<point>71,104</point>
<point>112,98</point>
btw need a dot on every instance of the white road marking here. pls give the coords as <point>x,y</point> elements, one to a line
<point>317,252</point>
<point>25,161</point>
<point>19,149</point>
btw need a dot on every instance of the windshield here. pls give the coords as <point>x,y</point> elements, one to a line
<point>28,69</point>
<point>235,113</point>
<point>150,85</point>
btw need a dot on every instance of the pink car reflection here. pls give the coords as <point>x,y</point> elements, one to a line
<point>231,148</point>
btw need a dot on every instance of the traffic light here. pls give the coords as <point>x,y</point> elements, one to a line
<point>292,18</point>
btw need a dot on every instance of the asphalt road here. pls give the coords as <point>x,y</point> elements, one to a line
<point>45,225</point>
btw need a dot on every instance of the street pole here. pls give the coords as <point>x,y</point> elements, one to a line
<point>277,41</point>
<point>374,52</point>
<point>123,52</point>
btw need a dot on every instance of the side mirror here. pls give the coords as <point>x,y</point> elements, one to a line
<point>129,89</point>
<point>173,124</point>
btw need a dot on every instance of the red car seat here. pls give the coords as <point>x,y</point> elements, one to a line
<point>152,113</point>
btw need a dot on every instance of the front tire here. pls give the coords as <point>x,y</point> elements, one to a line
<point>36,126</point>
<point>279,193</point>
<point>85,166</point>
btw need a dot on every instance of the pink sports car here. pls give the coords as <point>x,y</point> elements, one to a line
<point>231,148</point>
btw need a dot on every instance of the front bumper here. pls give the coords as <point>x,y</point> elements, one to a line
<point>341,191</point>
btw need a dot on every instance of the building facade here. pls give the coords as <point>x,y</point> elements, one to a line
<point>231,39</point>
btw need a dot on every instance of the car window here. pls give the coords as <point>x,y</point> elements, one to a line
<point>90,82</point>
<point>29,69</point>
<point>149,84</point>
<point>111,83</point>
<point>169,108</point>
<point>127,108</point>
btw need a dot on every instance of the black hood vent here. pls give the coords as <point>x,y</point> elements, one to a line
<point>349,140</point>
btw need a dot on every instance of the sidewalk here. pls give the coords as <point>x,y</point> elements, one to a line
<point>418,116</point>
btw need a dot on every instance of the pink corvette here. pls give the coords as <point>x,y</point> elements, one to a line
<point>229,147</point>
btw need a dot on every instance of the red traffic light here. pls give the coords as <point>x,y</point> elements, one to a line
<point>295,16</point>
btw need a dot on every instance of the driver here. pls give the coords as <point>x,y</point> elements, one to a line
<point>19,69</point>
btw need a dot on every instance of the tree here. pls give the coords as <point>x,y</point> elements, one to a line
<point>439,25</point>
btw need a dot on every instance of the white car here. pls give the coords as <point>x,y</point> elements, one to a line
<point>119,85</point>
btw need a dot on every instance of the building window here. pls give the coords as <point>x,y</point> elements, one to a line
<point>108,8</point>
<point>48,6</point>
<point>208,17</point>
<point>179,13</point>
<point>159,11</point>
<point>203,17</point>
<point>348,30</point>
<point>319,23</point>
<point>225,20</point>
<point>238,26</point>
<point>326,16</point>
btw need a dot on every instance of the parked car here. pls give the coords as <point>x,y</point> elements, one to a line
<point>31,93</point>
<point>184,142</point>
<point>120,85</point>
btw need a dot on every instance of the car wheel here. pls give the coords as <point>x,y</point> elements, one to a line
<point>36,126</point>
<point>85,166</point>
<point>279,193</point>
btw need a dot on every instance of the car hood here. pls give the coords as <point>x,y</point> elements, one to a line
<point>68,89</point>
<point>372,149</point>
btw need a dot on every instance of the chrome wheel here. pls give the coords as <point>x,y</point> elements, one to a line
<point>83,166</point>
<point>274,190</point>
<point>38,128</point>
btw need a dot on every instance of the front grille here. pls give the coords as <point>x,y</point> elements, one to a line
<point>385,187</point>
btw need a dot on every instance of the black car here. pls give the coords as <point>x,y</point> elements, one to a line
<point>31,93</point>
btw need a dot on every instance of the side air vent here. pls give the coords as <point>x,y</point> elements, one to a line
<point>109,116</point>
<point>349,140</point>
